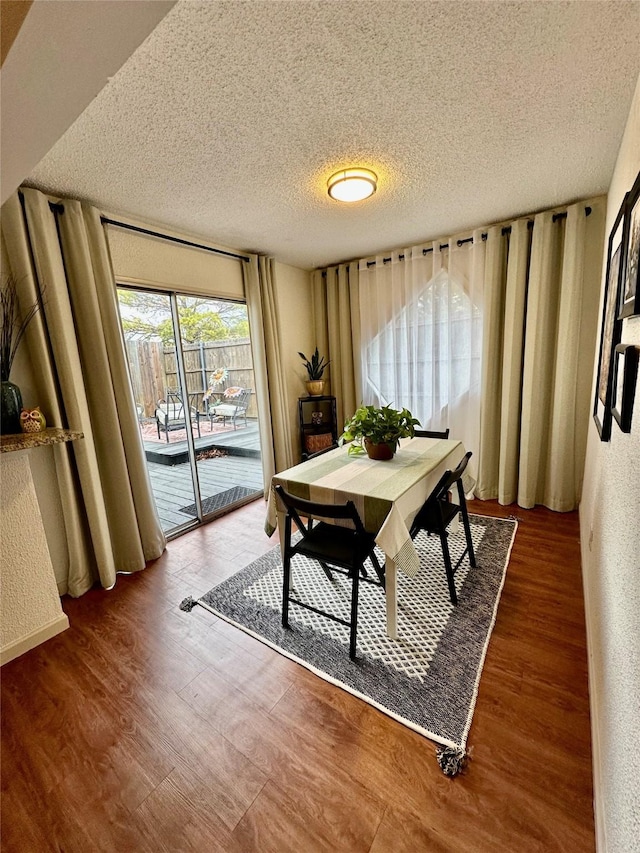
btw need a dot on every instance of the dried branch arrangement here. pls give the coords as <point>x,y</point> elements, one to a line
<point>13,324</point>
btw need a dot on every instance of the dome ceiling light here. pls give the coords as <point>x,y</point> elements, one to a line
<point>352,184</point>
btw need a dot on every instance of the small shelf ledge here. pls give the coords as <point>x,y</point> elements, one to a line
<point>27,440</point>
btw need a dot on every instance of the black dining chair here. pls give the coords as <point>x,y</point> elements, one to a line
<point>431,433</point>
<point>438,511</point>
<point>336,548</point>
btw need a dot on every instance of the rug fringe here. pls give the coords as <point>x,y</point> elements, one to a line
<point>187,604</point>
<point>451,760</point>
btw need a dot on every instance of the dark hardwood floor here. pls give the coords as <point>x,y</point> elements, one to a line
<point>144,728</point>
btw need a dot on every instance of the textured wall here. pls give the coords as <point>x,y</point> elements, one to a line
<point>43,92</point>
<point>30,599</point>
<point>42,463</point>
<point>610,532</point>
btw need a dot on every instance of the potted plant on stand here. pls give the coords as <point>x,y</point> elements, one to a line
<point>315,368</point>
<point>378,430</point>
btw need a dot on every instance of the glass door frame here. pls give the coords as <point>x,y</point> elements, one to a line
<point>173,296</point>
<point>184,388</point>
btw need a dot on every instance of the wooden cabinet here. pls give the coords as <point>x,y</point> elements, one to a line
<point>318,426</point>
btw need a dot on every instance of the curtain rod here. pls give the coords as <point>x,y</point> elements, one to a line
<point>59,208</point>
<point>106,221</point>
<point>506,230</point>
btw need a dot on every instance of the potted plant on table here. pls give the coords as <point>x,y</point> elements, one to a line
<point>378,430</point>
<point>316,366</point>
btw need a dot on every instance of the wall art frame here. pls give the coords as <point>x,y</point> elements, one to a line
<point>625,376</point>
<point>611,325</point>
<point>630,289</point>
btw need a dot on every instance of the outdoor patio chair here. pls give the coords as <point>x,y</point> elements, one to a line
<point>234,405</point>
<point>437,513</point>
<point>341,549</point>
<point>170,414</point>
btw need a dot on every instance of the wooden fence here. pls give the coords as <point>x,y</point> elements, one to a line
<point>154,370</point>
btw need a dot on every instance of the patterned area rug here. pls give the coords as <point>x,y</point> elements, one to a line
<point>428,678</point>
<point>220,500</point>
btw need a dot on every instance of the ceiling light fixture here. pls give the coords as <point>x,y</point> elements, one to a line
<point>352,184</point>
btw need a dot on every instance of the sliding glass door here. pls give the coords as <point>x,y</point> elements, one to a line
<point>192,375</point>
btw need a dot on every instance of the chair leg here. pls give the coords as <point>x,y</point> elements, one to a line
<point>286,579</point>
<point>467,526</point>
<point>379,569</point>
<point>285,591</point>
<point>326,570</point>
<point>447,566</point>
<point>355,583</point>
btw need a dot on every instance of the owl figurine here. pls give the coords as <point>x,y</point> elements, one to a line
<point>32,420</point>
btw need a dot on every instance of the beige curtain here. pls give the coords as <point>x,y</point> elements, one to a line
<point>273,421</point>
<point>336,316</point>
<point>76,346</point>
<point>540,318</point>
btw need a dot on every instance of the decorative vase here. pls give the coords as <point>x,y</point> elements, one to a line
<point>10,408</point>
<point>379,451</point>
<point>315,387</point>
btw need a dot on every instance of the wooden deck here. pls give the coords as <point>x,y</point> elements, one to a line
<point>171,480</point>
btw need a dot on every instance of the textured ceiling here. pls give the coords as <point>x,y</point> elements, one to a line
<point>229,118</point>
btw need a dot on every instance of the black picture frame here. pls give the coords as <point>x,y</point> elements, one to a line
<point>630,288</point>
<point>625,375</point>
<point>611,326</point>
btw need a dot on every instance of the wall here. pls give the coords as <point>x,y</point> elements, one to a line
<point>610,539</point>
<point>42,463</point>
<point>30,607</point>
<point>41,99</point>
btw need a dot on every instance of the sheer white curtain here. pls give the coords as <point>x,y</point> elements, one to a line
<point>421,333</point>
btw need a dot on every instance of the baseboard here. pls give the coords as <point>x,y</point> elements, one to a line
<point>30,641</point>
<point>596,754</point>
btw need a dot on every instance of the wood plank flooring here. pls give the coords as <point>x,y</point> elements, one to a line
<point>144,728</point>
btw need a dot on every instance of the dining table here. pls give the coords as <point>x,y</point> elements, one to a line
<point>387,494</point>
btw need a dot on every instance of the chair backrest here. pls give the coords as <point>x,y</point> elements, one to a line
<point>172,404</point>
<point>239,398</point>
<point>312,509</point>
<point>242,402</point>
<point>450,478</point>
<point>431,433</point>
<point>194,401</point>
